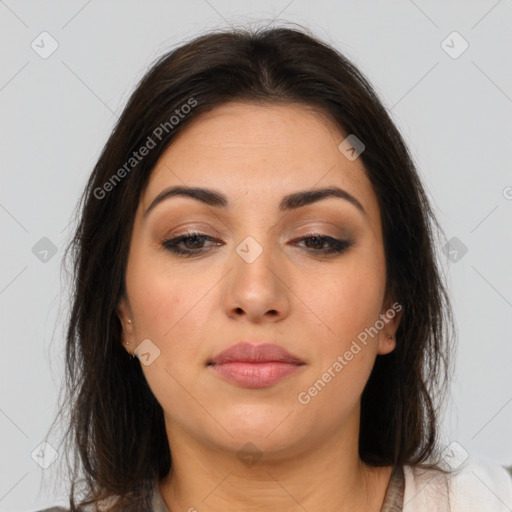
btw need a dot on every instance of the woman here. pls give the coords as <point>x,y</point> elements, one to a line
<point>259,321</point>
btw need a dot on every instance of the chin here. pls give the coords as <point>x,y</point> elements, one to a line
<point>267,430</point>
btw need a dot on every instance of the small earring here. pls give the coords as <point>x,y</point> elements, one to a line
<point>129,321</point>
<point>390,336</point>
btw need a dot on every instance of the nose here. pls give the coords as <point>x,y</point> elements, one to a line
<point>258,288</point>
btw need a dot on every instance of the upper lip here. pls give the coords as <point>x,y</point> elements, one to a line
<point>255,353</point>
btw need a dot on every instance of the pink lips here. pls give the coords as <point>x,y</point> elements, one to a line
<point>254,366</point>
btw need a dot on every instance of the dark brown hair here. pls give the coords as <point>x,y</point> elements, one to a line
<point>115,427</point>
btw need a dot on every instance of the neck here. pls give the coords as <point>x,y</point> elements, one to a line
<point>328,477</point>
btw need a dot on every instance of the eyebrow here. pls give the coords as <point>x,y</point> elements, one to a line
<point>289,202</point>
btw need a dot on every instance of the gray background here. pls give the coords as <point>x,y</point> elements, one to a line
<point>57,112</point>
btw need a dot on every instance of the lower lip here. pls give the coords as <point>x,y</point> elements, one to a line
<point>254,375</point>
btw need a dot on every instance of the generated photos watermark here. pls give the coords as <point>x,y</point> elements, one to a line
<point>151,142</point>
<point>304,397</point>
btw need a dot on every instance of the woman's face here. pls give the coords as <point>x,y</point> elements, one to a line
<point>258,272</point>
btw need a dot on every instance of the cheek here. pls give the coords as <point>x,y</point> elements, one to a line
<point>345,349</point>
<point>173,310</point>
<point>346,301</point>
<point>156,294</point>
<point>172,313</point>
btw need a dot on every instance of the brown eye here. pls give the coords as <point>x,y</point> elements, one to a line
<point>191,243</point>
<point>317,244</point>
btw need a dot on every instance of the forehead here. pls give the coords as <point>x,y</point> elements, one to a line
<point>259,153</point>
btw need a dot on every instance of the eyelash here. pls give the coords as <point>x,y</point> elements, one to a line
<point>337,246</point>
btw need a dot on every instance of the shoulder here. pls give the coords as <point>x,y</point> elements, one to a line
<point>475,485</point>
<point>482,483</point>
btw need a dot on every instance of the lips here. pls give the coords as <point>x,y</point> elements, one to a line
<point>247,352</point>
<point>254,366</point>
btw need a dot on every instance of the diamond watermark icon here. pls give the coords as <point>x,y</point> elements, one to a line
<point>44,455</point>
<point>454,455</point>
<point>351,147</point>
<point>454,249</point>
<point>147,352</point>
<point>44,45</point>
<point>454,45</point>
<point>249,454</point>
<point>44,250</point>
<point>249,249</point>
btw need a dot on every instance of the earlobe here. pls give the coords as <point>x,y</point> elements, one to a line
<point>391,316</point>
<point>124,315</point>
<point>123,311</point>
<point>387,343</point>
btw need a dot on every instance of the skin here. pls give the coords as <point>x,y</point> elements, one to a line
<point>313,306</point>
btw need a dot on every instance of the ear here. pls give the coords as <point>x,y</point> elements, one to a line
<point>125,316</point>
<point>390,316</point>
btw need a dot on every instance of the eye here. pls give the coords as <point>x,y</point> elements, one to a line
<point>192,240</point>
<point>192,243</point>
<point>334,245</point>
